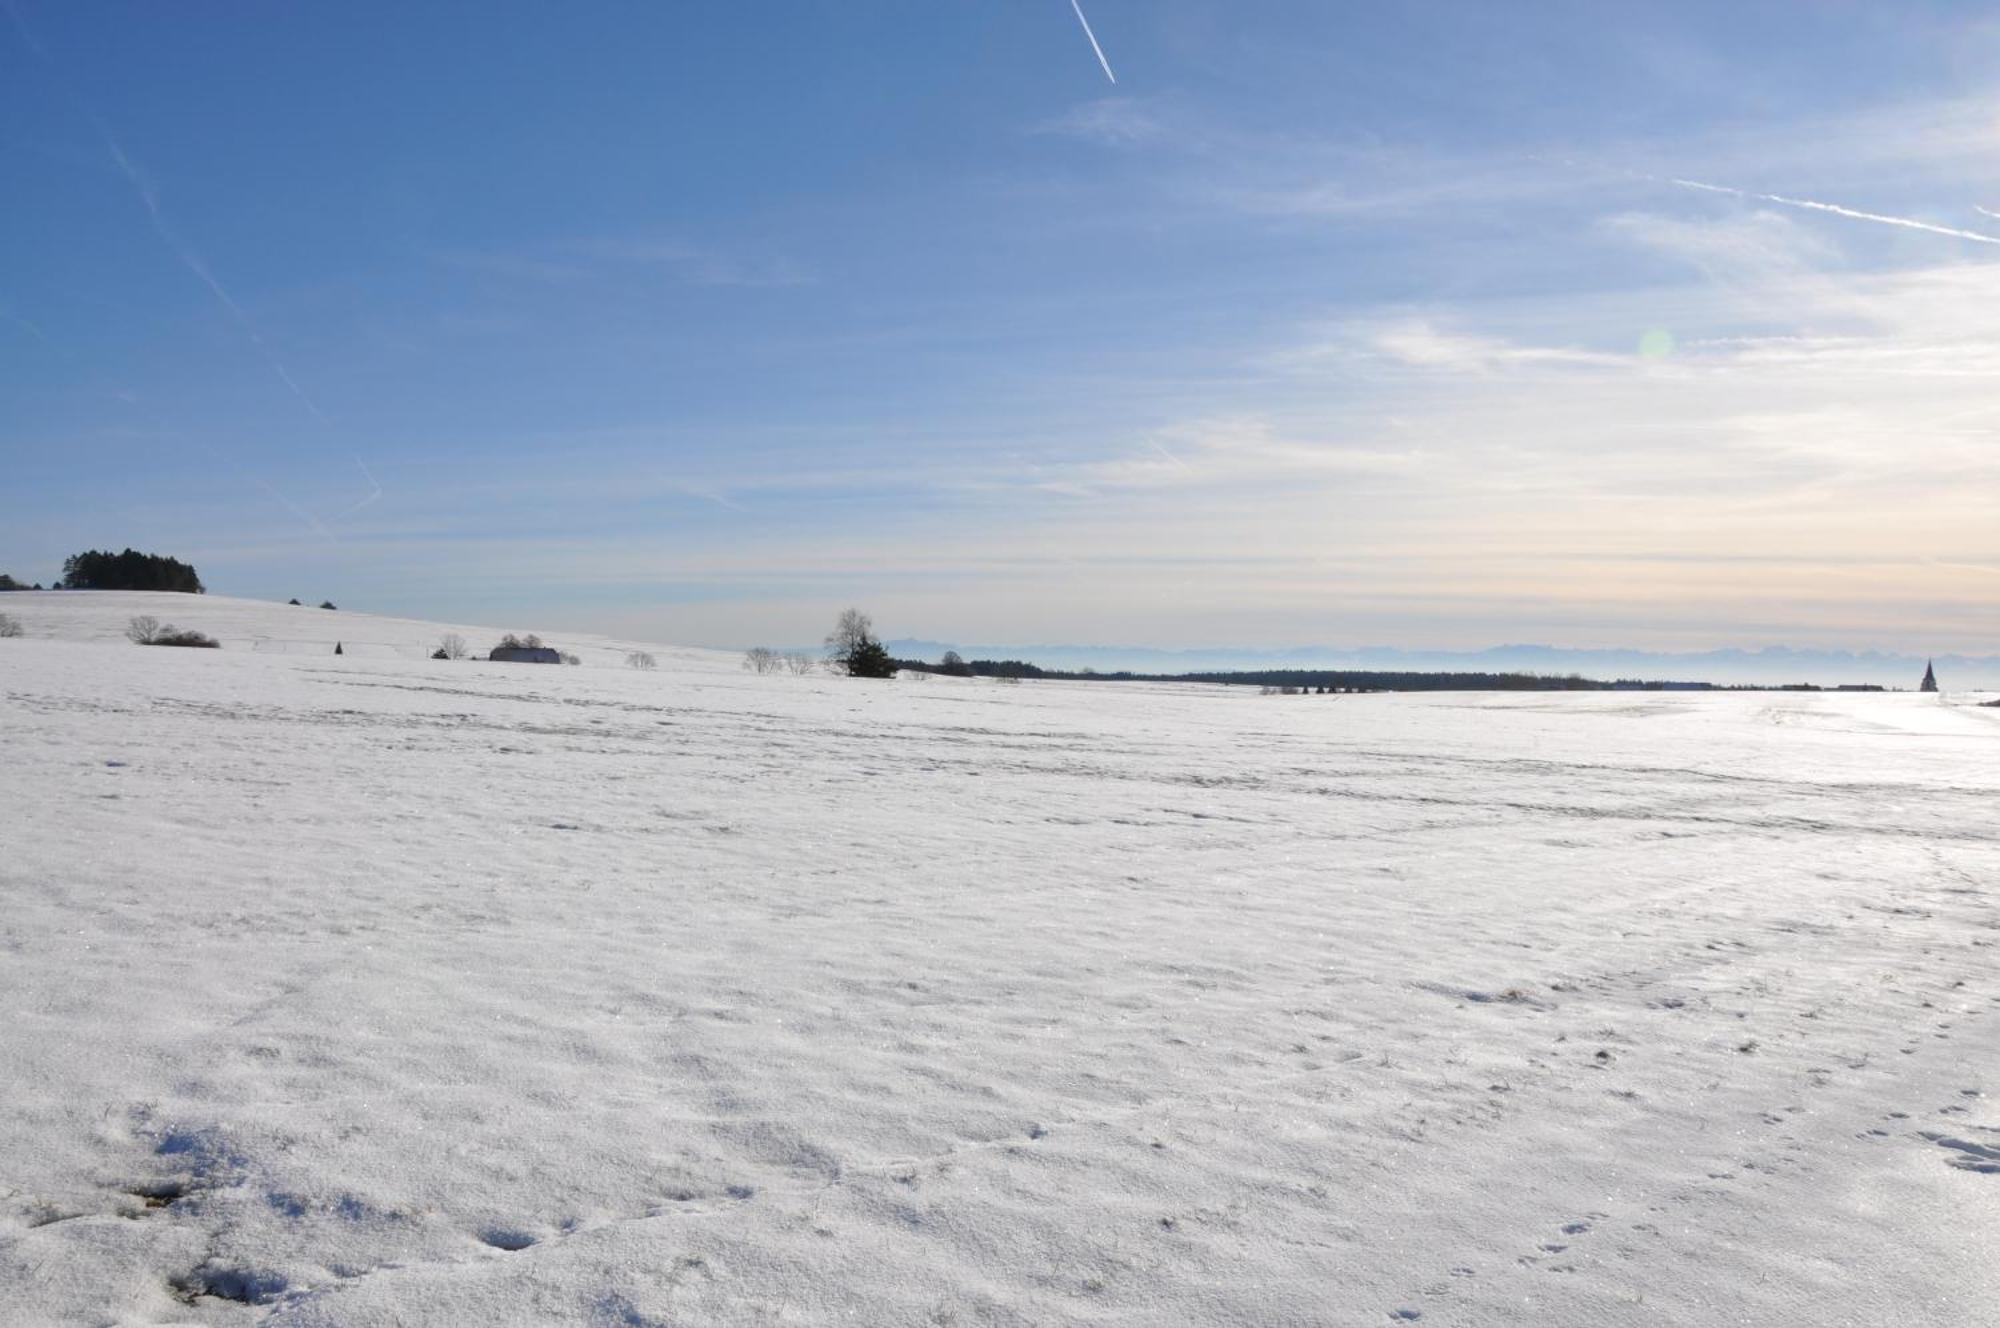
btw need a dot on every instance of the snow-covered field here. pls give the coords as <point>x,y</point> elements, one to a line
<point>374,990</point>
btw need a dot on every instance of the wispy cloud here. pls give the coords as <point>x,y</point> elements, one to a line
<point>1423,344</point>
<point>597,259</point>
<point>694,264</point>
<point>1110,121</point>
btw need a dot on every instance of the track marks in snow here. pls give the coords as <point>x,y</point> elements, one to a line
<point>1967,1154</point>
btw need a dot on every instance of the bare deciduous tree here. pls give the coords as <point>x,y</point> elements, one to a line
<point>8,626</point>
<point>639,659</point>
<point>799,663</point>
<point>143,630</point>
<point>853,631</point>
<point>452,646</point>
<point>762,659</point>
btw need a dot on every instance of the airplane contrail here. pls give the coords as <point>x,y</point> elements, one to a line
<point>1077,5</point>
<point>10,316</point>
<point>1986,212</point>
<point>150,198</point>
<point>374,489</point>
<point>1839,211</point>
<point>193,263</point>
<point>188,258</point>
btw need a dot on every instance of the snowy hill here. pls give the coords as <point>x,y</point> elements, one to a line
<point>373,990</point>
<point>266,628</point>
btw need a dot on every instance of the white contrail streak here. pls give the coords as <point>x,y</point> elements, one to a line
<point>188,259</point>
<point>21,25</point>
<point>1839,211</point>
<point>1078,7</point>
<point>374,489</point>
<point>25,325</point>
<point>1986,212</point>
<point>192,262</point>
<point>313,522</point>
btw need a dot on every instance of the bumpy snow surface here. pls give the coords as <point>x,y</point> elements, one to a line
<point>374,990</point>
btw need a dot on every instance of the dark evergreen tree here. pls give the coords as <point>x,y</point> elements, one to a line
<point>870,660</point>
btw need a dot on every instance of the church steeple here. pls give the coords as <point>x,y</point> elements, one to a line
<point>1930,678</point>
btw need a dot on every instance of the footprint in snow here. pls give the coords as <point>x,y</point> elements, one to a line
<point>1981,1158</point>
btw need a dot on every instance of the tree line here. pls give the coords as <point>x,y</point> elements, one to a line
<point>1307,680</point>
<point>98,569</point>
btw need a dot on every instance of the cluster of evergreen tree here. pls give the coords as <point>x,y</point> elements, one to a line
<point>130,570</point>
<point>9,583</point>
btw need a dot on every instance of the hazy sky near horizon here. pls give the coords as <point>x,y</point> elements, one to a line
<point>1429,324</point>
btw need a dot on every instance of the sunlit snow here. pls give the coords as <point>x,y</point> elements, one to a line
<point>372,990</point>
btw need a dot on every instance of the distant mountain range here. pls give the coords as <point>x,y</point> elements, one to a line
<point>1769,665</point>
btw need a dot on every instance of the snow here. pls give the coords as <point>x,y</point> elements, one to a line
<point>372,990</point>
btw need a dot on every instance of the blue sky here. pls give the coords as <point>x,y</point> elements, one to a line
<point>1327,323</point>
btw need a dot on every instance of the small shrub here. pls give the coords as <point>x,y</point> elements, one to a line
<point>294,603</point>
<point>439,653</point>
<point>171,636</point>
<point>142,630</point>
<point>639,659</point>
<point>568,658</point>
<point>9,626</point>
<point>762,659</point>
<point>328,604</point>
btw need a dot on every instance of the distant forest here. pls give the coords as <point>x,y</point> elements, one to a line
<point>1350,680</point>
<point>130,570</point>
